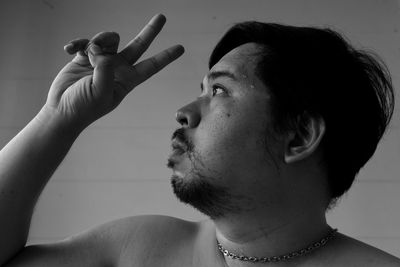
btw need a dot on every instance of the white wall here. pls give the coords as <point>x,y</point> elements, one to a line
<point>117,167</point>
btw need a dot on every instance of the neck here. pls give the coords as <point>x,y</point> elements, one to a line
<point>268,236</point>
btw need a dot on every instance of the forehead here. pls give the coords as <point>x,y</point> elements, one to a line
<point>241,61</point>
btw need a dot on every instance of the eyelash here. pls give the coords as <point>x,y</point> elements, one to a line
<point>215,87</point>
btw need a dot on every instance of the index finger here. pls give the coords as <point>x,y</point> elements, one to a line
<point>135,48</point>
<point>134,75</point>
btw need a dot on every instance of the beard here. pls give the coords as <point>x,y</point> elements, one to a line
<point>199,189</point>
<point>211,200</point>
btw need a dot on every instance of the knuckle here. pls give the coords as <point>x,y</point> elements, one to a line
<point>97,37</point>
<point>155,63</point>
<point>115,36</point>
<point>139,41</point>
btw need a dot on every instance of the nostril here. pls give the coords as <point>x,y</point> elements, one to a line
<point>183,121</point>
<point>181,118</point>
<point>189,115</point>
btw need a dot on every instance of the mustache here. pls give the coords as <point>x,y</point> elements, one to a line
<point>180,135</point>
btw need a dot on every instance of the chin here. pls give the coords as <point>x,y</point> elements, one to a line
<point>199,192</point>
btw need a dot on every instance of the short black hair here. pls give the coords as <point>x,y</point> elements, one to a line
<point>315,70</point>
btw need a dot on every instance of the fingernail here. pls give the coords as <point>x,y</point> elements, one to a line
<point>70,45</point>
<point>95,49</point>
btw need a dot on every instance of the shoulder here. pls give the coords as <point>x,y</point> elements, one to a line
<point>106,244</point>
<point>153,225</point>
<point>368,255</point>
<point>144,229</point>
<point>352,252</point>
<point>141,237</point>
<point>128,239</point>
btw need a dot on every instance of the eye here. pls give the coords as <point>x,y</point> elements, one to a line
<point>217,90</point>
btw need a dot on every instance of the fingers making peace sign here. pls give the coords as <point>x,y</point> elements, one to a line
<point>99,76</point>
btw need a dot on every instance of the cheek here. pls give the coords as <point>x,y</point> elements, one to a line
<point>224,134</point>
<point>231,127</point>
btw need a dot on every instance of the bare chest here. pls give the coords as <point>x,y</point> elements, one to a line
<point>179,258</point>
<point>198,251</point>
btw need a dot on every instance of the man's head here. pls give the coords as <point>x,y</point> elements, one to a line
<point>301,101</point>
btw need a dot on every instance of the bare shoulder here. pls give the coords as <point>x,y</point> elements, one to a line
<point>155,227</point>
<point>151,239</point>
<point>108,244</point>
<point>147,230</point>
<point>352,252</point>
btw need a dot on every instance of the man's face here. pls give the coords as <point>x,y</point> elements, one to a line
<point>221,159</point>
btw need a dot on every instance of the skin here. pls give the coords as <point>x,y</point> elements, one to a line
<point>279,204</point>
<point>226,118</point>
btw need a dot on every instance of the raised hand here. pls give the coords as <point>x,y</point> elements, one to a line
<point>99,77</point>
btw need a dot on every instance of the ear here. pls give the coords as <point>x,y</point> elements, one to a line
<point>305,140</point>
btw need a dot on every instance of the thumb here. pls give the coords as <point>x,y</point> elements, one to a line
<point>108,41</point>
<point>103,73</point>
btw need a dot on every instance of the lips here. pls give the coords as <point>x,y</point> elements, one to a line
<point>177,156</point>
<point>178,147</point>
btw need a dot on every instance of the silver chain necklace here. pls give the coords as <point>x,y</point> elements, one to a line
<point>284,257</point>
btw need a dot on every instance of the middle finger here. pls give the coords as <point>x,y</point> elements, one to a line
<point>135,48</point>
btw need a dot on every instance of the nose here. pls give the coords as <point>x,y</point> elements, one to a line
<point>188,116</point>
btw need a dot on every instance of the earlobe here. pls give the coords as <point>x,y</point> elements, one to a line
<point>305,140</point>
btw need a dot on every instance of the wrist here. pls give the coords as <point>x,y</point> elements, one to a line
<point>51,119</point>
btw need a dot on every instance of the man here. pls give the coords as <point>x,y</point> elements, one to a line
<point>286,118</point>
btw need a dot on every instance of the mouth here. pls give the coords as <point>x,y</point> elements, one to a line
<point>177,145</point>
<point>178,150</point>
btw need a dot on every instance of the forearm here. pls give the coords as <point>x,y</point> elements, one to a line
<point>26,164</point>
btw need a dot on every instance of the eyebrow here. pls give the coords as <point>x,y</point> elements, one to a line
<point>217,74</point>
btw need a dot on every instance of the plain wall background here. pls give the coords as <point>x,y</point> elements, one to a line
<point>117,166</point>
